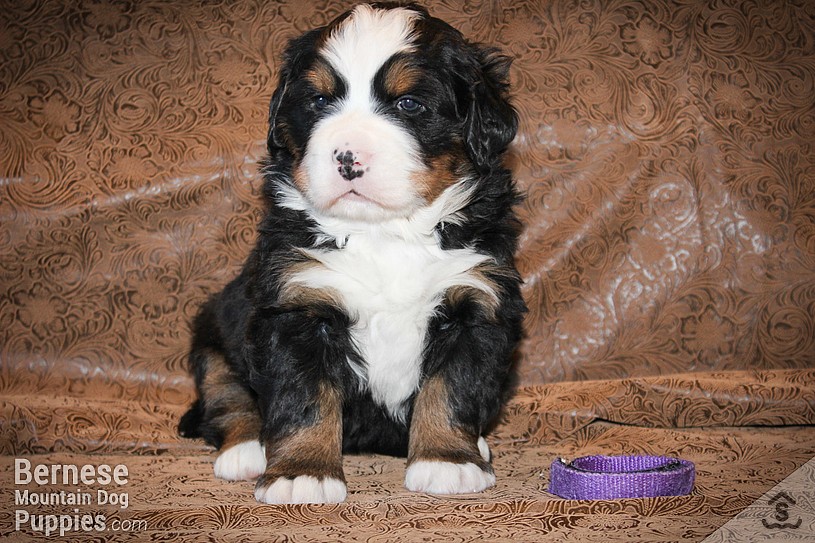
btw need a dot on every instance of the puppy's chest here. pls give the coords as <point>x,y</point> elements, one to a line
<point>390,288</point>
<point>382,275</point>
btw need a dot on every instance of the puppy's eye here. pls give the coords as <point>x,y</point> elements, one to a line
<point>409,105</point>
<point>320,102</point>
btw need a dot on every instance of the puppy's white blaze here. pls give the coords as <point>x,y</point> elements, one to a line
<point>302,489</point>
<point>447,478</point>
<point>391,278</point>
<point>242,462</point>
<point>363,42</point>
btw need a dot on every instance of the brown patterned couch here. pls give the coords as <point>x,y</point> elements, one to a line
<point>667,150</point>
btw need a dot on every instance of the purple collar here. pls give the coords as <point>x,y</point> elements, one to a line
<point>613,477</point>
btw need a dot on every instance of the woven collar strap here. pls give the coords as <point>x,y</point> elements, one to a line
<point>613,477</point>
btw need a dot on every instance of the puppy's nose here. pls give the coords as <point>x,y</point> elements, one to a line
<point>351,164</point>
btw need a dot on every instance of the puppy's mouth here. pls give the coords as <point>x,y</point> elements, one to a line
<point>354,196</point>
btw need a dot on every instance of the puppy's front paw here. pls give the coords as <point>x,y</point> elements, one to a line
<point>447,478</point>
<point>242,462</point>
<point>301,489</point>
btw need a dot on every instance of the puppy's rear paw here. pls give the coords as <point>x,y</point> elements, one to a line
<point>302,489</point>
<point>484,449</point>
<point>447,478</point>
<point>242,462</point>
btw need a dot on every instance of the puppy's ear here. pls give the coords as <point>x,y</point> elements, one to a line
<point>490,121</point>
<point>297,53</point>
<point>274,139</point>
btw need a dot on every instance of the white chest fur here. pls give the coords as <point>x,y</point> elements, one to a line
<point>391,287</point>
<point>391,278</point>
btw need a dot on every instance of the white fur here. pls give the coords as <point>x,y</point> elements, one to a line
<point>363,42</point>
<point>357,49</point>
<point>242,462</point>
<point>420,224</point>
<point>302,489</point>
<point>447,478</point>
<point>484,449</point>
<point>387,188</point>
<point>391,277</point>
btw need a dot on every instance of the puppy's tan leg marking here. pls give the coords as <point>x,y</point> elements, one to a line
<point>306,465</point>
<point>236,415</point>
<point>443,459</point>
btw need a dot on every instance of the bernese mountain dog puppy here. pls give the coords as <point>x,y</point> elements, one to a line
<point>380,307</point>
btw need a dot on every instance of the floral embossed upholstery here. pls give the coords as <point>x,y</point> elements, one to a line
<point>667,155</point>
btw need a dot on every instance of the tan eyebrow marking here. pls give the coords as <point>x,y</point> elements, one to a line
<point>321,77</point>
<point>402,76</point>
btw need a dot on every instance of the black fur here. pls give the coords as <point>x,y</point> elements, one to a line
<point>281,354</point>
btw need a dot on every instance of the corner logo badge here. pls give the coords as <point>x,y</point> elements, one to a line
<point>782,502</point>
<point>786,512</point>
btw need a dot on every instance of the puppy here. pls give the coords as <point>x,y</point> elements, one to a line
<point>381,306</point>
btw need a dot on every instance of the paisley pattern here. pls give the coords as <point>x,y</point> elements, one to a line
<point>665,152</point>
<point>745,431</point>
<point>667,156</point>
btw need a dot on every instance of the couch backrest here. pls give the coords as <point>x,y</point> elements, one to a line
<point>667,152</point>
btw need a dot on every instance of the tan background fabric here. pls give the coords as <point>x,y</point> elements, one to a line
<point>667,152</point>
<point>744,431</point>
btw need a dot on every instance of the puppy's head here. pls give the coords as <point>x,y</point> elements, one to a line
<point>383,109</point>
